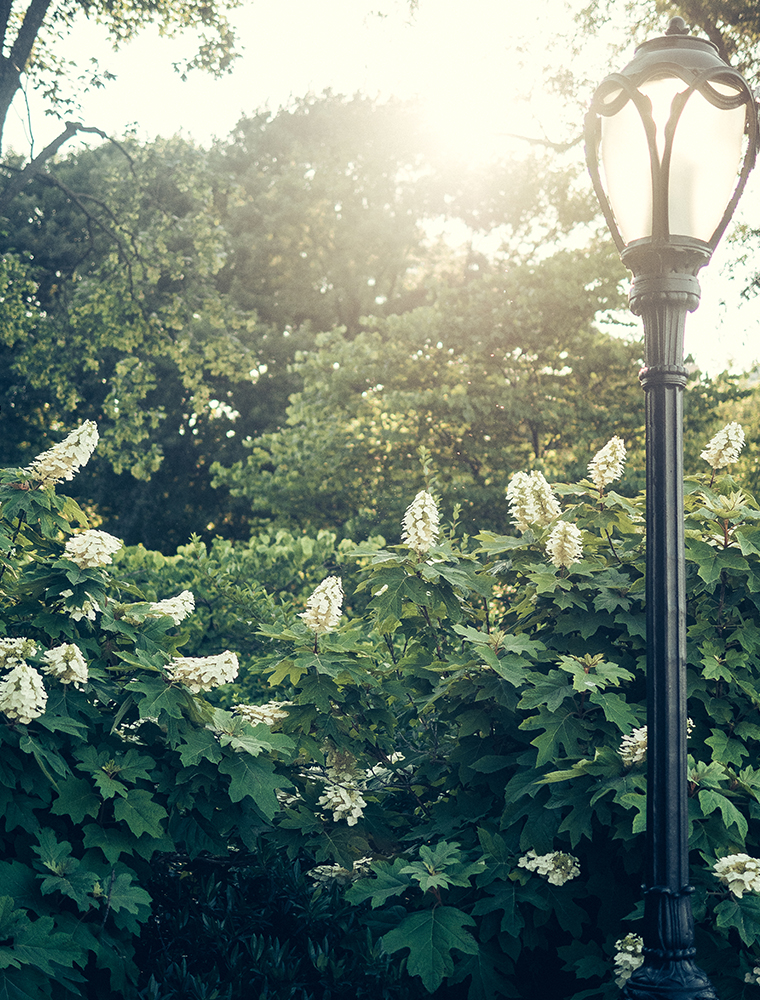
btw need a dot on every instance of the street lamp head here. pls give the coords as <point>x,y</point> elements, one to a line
<point>670,142</point>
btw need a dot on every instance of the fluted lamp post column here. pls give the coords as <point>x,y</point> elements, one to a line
<point>670,142</point>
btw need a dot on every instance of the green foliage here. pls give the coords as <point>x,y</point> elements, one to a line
<point>110,770</point>
<point>505,372</point>
<point>475,714</point>
<point>444,766</point>
<point>260,929</point>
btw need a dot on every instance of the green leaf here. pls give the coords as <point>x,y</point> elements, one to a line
<point>743,915</point>
<point>234,731</point>
<point>159,697</point>
<point>431,936</point>
<point>76,882</point>
<point>127,900</point>
<point>55,856</point>
<point>562,730</point>
<point>38,944</point>
<point>711,800</point>
<point>254,777</point>
<point>490,763</point>
<point>548,690</point>
<point>49,760</point>
<point>140,812</point>
<point>286,669</point>
<point>725,749</point>
<point>18,881</point>
<point>76,799</point>
<point>616,709</point>
<point>705,556</point>
<point>500,861</point>
<point>23,983</point>
<point>389,881</point>
<point>112,841</point>
<point>504,894</point>
<point>749,540</point>
<point>198,745</point>
<point>10,917</point>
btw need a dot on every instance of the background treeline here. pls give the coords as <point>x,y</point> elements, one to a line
<point>267,331</point>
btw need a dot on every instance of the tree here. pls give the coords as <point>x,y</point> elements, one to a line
<point>174,291</point>
<point>506,371</point>
<point>732,26</point>
<point>29,31</point>
<point>126,327</point>
<point>328,219</point>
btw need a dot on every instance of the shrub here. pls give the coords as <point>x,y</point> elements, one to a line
<point>108,759</point>
<point>454,758</point>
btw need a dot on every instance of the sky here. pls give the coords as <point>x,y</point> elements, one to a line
<point>460,57</point>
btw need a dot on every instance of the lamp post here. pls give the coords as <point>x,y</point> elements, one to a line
<point>670,142</point>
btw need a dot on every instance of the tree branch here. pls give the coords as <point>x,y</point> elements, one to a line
<point>561,147</point>
<point>33,167</point>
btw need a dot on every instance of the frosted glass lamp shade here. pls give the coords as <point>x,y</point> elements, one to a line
<point>670,141</point>
<point>705,158</point>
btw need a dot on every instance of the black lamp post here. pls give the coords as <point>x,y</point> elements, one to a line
<point>670,142</point>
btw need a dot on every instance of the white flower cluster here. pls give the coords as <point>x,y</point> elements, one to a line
<point>343,798</point>
<point>22,694</point>
<point>177,608</point>
<point>723,449</point>
<point>381,773</point>
<point>739,872</point>
<point>633,747</point>
<point>343,793</point>
<point>556,867</point>
<point>607,465</point>
<point>202,673</point>
<point>66,663</point>
<point>91,548</point>
<point>15,651</point>
<point>330,873</point>
<point>323,608</point>
<point>531,501</point>
<point>67,457</point>
<point>420,523</point>
<point>628,957</point>
<point>564,544</point>
<point>753,977</point>
<point>269,714</point>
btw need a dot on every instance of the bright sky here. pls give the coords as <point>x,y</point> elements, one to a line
<point>458,56</point>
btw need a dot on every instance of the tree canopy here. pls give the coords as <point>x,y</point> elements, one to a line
<point>259,292</point>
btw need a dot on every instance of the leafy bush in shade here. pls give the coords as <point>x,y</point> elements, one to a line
<point>428,777</point>
<point>257,927</point>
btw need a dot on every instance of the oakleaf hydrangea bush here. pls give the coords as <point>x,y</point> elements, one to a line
<point>449,732</point>
<point>499,682</point>
<point>109,754</point>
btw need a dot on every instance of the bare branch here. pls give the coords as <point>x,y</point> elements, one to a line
<point>561,147</point>
<point>33,167</point>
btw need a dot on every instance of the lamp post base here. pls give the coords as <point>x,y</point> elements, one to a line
<point>679,980</point>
